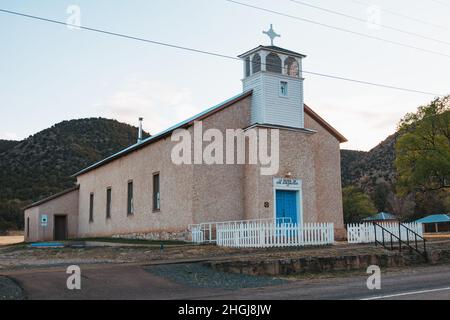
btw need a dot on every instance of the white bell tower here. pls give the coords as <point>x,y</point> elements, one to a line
<point>275,76</point>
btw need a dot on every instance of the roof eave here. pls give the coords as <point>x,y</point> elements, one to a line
<point>291,53</point>
<point>163,134</point>
<point>52,197</point>
<point>325,124</point>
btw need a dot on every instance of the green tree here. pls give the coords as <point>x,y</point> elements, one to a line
<point>380,196</point>
<point>423,149</point>
<point>357,205</point>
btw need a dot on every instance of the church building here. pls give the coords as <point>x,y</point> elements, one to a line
<point>141,192</point>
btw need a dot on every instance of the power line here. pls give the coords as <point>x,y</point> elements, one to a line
<point>121,35</point>
<point>441,3</point>
<point>340,29</point>
<point>365,21</point>
<point>401,15</point>
<point>113,33</point>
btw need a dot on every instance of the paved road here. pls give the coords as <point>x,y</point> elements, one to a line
<point>133,282</point>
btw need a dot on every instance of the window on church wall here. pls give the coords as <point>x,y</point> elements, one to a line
<point>247,67</point>
<point>292,67</point>
<point>284,89</point>
<point>273,63</point>
<point>108,203</point>
<point>130,202</point>
<point>156,192</point>
<point>256,63</point>
<point>91,208</point>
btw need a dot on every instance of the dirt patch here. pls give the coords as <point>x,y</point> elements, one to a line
<point>8,240</point>
<point>22,256</point>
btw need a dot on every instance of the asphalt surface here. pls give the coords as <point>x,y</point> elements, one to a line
<point>197,275</point>
<point>137,282</point>
<point>10,290</point>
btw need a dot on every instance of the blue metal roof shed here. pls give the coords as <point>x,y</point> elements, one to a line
<point>382,216</point>
<point>435,218</point>
<point>436,223</point>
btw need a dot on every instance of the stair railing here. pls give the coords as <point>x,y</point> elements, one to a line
<point>391,236</point>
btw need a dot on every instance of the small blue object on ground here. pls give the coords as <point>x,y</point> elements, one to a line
<point>47,245</point>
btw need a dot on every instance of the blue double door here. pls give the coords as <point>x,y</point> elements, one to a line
<point>287,205</point>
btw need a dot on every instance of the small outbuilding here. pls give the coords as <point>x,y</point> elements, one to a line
<point>435,223</point>
<point>53,218</point>
<point>381,217</point>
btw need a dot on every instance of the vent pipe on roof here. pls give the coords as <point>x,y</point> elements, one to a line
<point>140,130</point>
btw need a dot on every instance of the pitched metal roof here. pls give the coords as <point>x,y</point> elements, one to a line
<point>198,117</point>
<point>381,216</point>
<point>166,132</point>
<point>324,124</point>
<point>60,194</point>
<point>435,218</point>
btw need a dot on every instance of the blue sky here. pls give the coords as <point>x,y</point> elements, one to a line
<point>49,73</point>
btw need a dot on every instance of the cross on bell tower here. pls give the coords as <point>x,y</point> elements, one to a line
<point>274,75</point>
<point>271,34</point>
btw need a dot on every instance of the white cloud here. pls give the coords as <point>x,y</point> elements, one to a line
<point>9,136</point>
<point>160,105</point>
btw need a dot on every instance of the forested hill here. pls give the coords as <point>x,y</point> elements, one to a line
<point>7,144</point>
<point>366,169</point>
<point>42,164</point>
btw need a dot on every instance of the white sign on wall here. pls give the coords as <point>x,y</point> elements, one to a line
<point>44,220</point>
<point>284,183</point>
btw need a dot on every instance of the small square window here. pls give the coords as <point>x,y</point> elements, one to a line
<point>283,88</point>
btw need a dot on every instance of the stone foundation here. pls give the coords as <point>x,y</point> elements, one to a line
<point>157,235</point>
<point>312,264</point>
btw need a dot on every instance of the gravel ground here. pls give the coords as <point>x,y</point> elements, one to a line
<point>22,256</point>
<point>9,290</point>
<point>199,276</point>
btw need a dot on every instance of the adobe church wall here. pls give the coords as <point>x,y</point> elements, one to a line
<point>219,189</point>
<point>313,158</point>
<point>189,193</point>
<point>175,188</point>
<point>327,161</point>
<point>297,158</point>
<point>66,204</point>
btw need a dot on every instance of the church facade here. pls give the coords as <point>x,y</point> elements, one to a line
<point>141,191</point>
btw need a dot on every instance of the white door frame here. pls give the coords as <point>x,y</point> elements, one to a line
<point>298,187</point>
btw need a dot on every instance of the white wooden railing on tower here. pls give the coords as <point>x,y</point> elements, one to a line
<point>365,232</point>
<point>263,233</point>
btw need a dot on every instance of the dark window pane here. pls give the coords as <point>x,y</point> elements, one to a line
<point>91,208</point>
<point>108,203</point>
<point>156,193</point>
<point>130,206</point>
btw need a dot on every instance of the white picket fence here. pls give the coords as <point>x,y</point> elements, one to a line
<point>272,234</point>
<point>197,234</point>
<point>207,232</point>
<point>365,232</point>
